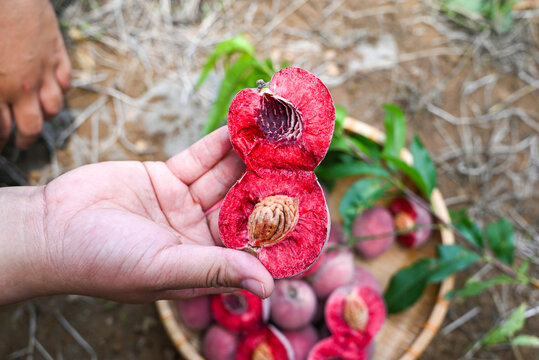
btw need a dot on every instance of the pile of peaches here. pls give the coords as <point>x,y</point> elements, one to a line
<point>333,310</point>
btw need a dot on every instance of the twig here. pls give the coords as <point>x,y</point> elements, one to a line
<point>32,331</point>
<point>460,321</point>
<point>43,351</point>
<point>80,119</point>
<point>523,91</point>
<point>75,334</point>
<point>282,16</point>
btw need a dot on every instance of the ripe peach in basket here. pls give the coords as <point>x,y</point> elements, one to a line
<point>293,304</point>
<point>407,216</point>
<point>219,344</point>
<point>302,340</point>
<point>376,221</point>
<point>267,343</point>
<point>239,311</point>
<point>195,312</point>
<point>355,314</point>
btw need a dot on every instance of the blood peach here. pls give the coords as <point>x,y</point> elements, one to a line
<point>336,269</point>
<point>302,341</point>
<point>355,314</point>
<point>267,343</point>
<point>195,312</point>
<point>330,349</point>
<point>219,344</point>
<point>375,221</point>
<point>239,311</point>
<point>363,277</point>
<point>286,123</point>
<point>293,304</point>
<point>408,214</point>
<point>277,209</point>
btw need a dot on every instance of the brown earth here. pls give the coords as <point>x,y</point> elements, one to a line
<point>369,53</point>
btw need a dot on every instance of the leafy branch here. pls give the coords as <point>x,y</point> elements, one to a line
<point>242,70</point>
<point>382,170</point>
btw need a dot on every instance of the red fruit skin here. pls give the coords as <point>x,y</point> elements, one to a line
<point>336,234</point>
<point>363,277</point>
<point>219,344</point>
<point>247,317</point>
<point>195,312</point>
<point>302,246</point>
<point>313,102</point>
<point>312,269</point>
<point>336,237</point>
<point>293,304</point>
<point>336,269</point>
<point>302,341</point>
<point>278,343</point>
<point>329,348</point>
<point>374,221</point>
<point>336,323</point>
<point>420,217</point>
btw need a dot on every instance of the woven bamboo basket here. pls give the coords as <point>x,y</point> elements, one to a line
<point>404,336</point>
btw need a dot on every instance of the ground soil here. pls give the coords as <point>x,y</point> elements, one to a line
<point>420,64</point>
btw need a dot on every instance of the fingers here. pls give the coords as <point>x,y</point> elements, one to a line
<point>214,184</point>
<point>29,119</point>
<point>191,293</point>
<point>50,96</point>
<point>213,225</point>
<point>63,70</point>
<point>5,124</point>
<point>194,266</point>
<point>200,157</point>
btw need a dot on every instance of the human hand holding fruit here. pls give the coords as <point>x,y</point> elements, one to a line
<point>34,68</point>
<point>127,231</point>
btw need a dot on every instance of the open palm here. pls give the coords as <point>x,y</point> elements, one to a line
<point>135,232</point>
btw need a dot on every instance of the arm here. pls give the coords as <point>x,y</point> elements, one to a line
<point>127,231</point>
<point>21,230</point>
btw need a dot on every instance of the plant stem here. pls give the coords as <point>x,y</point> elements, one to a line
<point>355,239</point>
<point>500,266</point>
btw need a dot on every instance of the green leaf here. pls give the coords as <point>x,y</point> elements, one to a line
<point>526,340</point>
<point>361,195</point>
<point>453,258</point>
<point>234,79</point>
<point>501,333</point>
<point>409,171</point>
<point>501,240</point>
<point>475,287</point>
<point>340,115</point>
<point>365,145</point>
<point>423,164</point>
<point>339,143</point>
<point>407,285</point>
<point>524,267</point>
<point>499,13</point>
<point>234,45</point>
<point>337,171</point>
<point>395,125</point>
<point>467,228</point>
<point>472,8</point>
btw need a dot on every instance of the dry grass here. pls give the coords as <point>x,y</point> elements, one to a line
<point>472,96</point>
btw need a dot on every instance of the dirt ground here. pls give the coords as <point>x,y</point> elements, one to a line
<point>471,95</point>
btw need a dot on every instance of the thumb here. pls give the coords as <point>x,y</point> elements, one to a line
<point>197,266</point>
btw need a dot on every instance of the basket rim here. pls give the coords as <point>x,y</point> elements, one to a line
<point>436,317</point>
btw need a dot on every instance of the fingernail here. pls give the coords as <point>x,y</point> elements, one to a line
<point>254,286</point>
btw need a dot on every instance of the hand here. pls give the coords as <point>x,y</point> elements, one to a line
<point>34,68</point>
<point>136,232</point>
